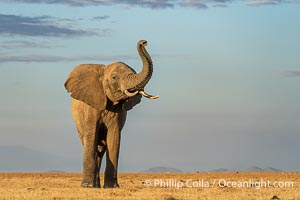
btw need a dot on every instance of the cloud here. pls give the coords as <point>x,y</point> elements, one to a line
<point>203,3</point>
<point>54,58</point>
<point>26,44</point>
<point>157,3</point>
<point>37,26</point>
<point>143,3</point>
<point>292,73</point>
<point>268,2</point>
<point>263,2</point>
<point>221,5</point>
<point>100,18</point>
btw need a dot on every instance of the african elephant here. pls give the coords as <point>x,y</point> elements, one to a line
<point>101,97</point>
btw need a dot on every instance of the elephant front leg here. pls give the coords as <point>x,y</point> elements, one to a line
<point>112,155</point>
<point>90,167</point>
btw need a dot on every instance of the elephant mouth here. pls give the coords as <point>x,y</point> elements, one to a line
<point>141,92</point>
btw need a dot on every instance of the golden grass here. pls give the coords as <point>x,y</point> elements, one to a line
<point>142,186</point>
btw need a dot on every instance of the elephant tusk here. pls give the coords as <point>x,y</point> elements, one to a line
<point>130,94</point>
<point>148,95</point>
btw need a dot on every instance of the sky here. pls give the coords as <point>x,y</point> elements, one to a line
<point>227,72</point>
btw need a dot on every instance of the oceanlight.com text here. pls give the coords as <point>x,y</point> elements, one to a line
<point>220,183</point>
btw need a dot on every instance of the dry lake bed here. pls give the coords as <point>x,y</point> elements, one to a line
<point>154,186</point>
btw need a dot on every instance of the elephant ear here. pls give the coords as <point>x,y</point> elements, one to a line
<point>85,84</point>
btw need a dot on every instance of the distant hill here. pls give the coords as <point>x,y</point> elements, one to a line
<point>56,172</point>
<point>221,170</point>
<point>253,169</point>
<point>271,169</point>
<point>162,170</point>
<point>258,169</point>
<point>23,159</point>
<point>249,169</point>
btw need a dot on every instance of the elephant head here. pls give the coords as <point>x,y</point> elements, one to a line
<point>95,83</point>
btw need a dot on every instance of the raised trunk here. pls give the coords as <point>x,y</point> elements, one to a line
<point>138,81</point>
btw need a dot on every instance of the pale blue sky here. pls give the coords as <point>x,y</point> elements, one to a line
<point>228,76</point>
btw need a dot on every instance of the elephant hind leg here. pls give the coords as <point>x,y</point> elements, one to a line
<point>101,139</point>
<point>100,149</point>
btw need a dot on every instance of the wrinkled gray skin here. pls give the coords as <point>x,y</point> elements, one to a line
<point>102,95</point>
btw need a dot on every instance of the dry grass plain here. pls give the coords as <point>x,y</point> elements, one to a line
<point>151,186</point>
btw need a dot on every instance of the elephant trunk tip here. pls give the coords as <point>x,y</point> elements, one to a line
<point>143,42</point>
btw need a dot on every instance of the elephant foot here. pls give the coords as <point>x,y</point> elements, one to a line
<point>87,185</point>
<point>97,185</point>
<point>111,185</point>
<point>90,184</point>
